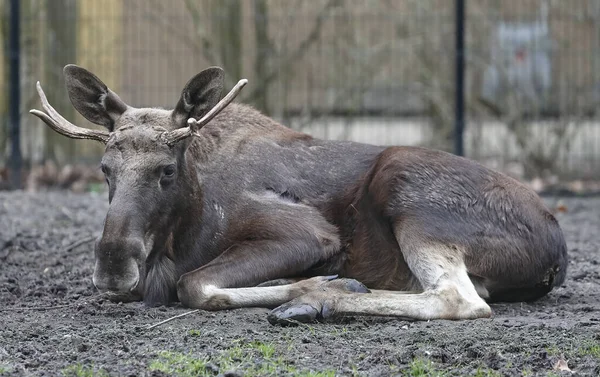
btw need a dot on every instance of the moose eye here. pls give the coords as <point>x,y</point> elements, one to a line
<point>169,170</point>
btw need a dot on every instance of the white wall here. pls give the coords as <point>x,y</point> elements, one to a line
<point>489,142</point>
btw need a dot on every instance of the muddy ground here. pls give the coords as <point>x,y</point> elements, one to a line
<point>52,322</point>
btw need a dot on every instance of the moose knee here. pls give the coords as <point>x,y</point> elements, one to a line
<point>191,292</point>
<point>199,295</point>
<point>186,291</point>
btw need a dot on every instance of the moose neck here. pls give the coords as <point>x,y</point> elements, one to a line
<point>191,228</point>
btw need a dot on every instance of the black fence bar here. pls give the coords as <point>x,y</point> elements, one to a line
<point>14,96</point>
<point>459,110</point>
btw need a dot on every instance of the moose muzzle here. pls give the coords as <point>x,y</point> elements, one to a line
<point>118,269</point>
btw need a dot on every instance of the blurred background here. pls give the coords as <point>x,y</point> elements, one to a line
<point>375,71</point>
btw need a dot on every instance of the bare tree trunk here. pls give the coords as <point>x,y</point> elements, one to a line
<point>263,46</point>
<point>285,62</point>
<point>231,37</point>
<point>33,132</point>
<point>226,23</point>
<point>61,45</point>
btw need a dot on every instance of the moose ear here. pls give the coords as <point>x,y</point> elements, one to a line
<point>92,98</point>
<point>200,95</point>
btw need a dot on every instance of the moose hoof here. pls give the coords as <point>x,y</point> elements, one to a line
<point>290,314</point>
<point>316,305</point>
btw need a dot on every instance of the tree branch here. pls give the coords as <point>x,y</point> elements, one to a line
<point>312,37</point>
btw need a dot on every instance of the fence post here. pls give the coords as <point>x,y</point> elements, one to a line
<point>14,96</point>
<point>459,83</point>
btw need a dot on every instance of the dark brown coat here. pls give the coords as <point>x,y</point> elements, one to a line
<point>248,200</point>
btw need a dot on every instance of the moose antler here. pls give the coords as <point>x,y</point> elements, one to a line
<point>194,125</point>
<point>59,124</point>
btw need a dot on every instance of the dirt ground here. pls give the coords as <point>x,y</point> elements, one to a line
<point>52,322</point>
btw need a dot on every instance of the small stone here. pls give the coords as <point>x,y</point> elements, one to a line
<point>212,367</point>
<point>83,347</point>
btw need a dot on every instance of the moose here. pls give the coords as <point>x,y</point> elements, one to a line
<point>218,206</point>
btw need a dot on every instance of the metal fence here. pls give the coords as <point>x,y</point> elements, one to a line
<point>378,71</point>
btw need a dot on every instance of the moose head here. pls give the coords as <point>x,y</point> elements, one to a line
<point>145,168</point>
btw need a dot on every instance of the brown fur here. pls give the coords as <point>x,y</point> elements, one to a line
<point>252,200</point>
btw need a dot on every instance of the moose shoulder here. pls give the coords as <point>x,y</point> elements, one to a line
<point>221,207</point>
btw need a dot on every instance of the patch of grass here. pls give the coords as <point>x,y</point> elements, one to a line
<point>253,358</point>
<point>585,348</point>
<point>589,349</point>
<point>329,373</point>
<point>195,333</point>
<point>423,368</point>
<point>553,350</point>
<point>181,365</point>
<point>79,370</point>
<point>355,372</point>
<point>266,350</point>
<point>339,331</point>
<point>527,372</point>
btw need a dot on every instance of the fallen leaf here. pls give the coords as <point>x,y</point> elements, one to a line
<point>561,365</point>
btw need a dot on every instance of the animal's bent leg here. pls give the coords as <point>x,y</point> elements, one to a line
<point>448,293</point>
<point>230,280</point>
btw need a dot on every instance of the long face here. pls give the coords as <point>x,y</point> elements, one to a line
<point>146,180</point>
<point>146,170</point>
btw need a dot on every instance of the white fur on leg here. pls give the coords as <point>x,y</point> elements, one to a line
<point>215,298</point>
<point>453,296</point>
<point>448,293</point>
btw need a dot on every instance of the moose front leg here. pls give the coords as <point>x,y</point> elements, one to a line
<point>298,238</point>
<point>229,280</point>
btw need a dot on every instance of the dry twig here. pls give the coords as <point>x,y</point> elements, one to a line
<point>79,243</point>
<point>172,318</point>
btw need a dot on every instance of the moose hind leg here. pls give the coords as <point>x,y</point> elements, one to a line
<point>448,292</point>
<point>446,284</point>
